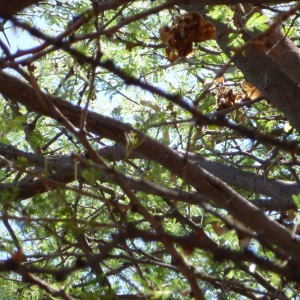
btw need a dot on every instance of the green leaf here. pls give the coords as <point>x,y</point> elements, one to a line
<point>91,175</point>
<point>231,274</point>
<point>163,295</point>
<point>290,31</point>
<point>257,22</point>
<point>296,199</point>
<point>235,40</point>
<point>22,161</point>
<point>221,13</point>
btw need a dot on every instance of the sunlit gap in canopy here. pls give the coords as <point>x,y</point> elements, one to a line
<point>18,40</point>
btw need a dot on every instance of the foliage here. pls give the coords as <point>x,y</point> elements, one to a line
<point>138,163</point>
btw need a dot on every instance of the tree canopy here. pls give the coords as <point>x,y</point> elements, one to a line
<point>150,149</point>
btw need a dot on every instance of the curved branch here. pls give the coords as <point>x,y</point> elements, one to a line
<point>64,172</point>
<point>268,231</point>
<point>280,191</point>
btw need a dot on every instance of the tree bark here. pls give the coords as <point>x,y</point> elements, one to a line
<point>275,74</point>
<point>268,232</point>
<point>11,7</point>
<point>62,170</point>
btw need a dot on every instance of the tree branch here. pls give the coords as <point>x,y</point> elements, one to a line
<point>268,231</point>
<point>10,8</point>
<point>63,168</point>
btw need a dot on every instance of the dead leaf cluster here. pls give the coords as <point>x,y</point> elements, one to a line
<point>227,97</point>
<point>185,30</point>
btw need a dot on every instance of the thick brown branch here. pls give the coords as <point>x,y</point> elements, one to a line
<point>199,118</point>
<point>10,8</point>
<point>64,172</point>
<point>268,231</point>
<point>275,73</point>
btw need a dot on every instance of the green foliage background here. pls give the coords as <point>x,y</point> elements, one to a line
<point>49,225</point>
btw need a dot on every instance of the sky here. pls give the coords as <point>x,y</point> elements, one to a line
<point>17,39</point>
